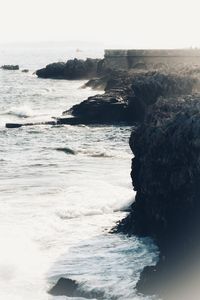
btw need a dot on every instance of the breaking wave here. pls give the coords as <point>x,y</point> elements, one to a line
<point>21,112</point>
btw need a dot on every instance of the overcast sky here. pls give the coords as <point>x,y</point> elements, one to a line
<point>125,23</point>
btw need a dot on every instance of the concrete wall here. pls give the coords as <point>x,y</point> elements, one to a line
<point>128,59</point>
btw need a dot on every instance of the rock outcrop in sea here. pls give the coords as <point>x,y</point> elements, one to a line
<point>71,288</point>
<point>10,67</point>
<point>72,69</point>
<point>166,175</point>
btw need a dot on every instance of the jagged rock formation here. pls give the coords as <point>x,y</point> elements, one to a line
<point>108,108</point>
<point>166,176</point>
<point>72,69</point>
<point>126,100</point>
<point>127,97</point>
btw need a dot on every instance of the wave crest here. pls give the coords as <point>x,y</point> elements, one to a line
<point>21,112</point>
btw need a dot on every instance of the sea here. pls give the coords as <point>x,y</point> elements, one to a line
<point>62,188</point>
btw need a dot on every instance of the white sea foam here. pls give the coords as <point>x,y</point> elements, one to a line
<point>22,267</point>
<point>92,211</point>
<point>57,209</point>
<point>21,112</point>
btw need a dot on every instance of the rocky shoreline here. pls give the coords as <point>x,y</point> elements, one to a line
<point>165,105</point>
<point>127,94</point>
<point>127,101</point>
<point>165,167</point>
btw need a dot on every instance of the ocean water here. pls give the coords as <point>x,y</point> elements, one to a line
<point>56,208</point>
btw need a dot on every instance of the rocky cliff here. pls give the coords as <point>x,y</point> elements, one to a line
<point>166,175</point>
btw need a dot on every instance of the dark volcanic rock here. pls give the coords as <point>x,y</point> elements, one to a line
<point>72,69</point>
<point>66,150</point>
<point>166,176</point>
<point>70,288</point>
<point>127,98</point>
<point>107,108</point>
<point>75,69</point>
<point>66,287</point>
<point>10,67</point>
<point>54,70</point>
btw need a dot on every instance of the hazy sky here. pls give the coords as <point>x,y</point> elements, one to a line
<point>133,23</point>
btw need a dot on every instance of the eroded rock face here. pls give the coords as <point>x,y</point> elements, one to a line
<point>72,69</point>
<point>166,176</point>
<point>108,108</point>
<point>128,97</point>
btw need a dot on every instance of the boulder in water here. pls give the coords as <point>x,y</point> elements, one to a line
<point>71,288</point>
<point>65,287</point>
<point>66,150</point>
<point>10,67</point>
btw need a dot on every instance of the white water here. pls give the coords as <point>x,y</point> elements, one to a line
<point>57,209</point>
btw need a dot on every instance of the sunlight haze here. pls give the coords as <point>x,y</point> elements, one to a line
<point>127,23</point>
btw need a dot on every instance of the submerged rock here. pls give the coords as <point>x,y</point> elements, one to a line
<point>166,176</point>
<point>71,288</point>
<point>66,287</point>
<point>10,67</point>
<point>66,150</point>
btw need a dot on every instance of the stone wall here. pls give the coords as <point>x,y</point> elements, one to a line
<point>144,59</point>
